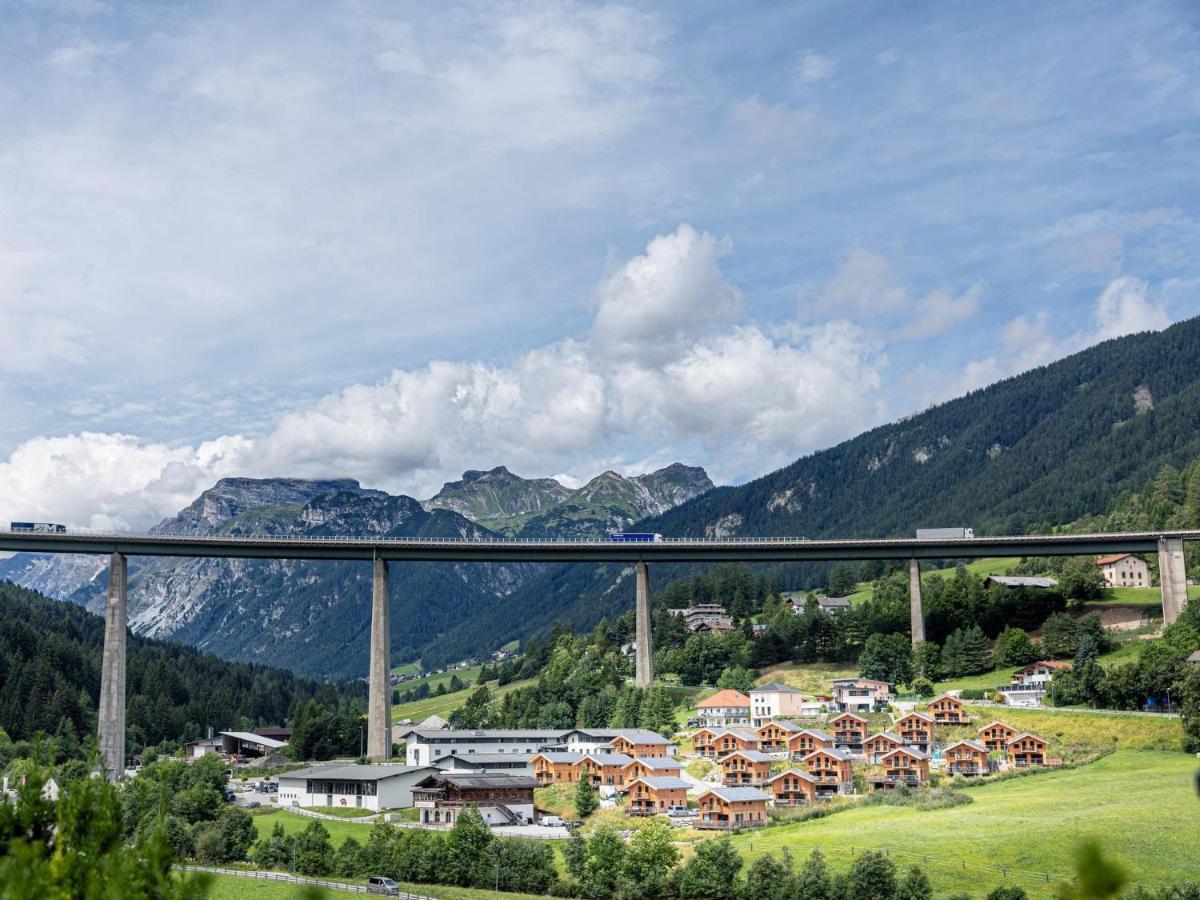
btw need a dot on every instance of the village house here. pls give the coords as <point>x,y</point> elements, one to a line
<point>727,741</point>
<point>651,766</point>
<point>879,745</point>
<point>1124,570</point>
<point>905,765</point>
<point>500,799</point>
<point>607,769</point>
<point>1029,684</point>
<point>773,736</point>
<point>967,758</point>
<point>655,794</point>
<point>849,731</point>
<point>792,787</point>
<point>861,695</point>
<point>499,763</point>
<point>996,735</point>
<point>733,807</point>
<point>774,701</point>
<point>948,710</point>
<point>704,617</point>
<point>556,766</point>
<point>806,741</point>
<point>425,746</point>
<point>1026,750</point>
<point>916,730</point>
<point>630,741</point>
<point>832,769</point>
<point>745,767</point>
<point>724,709</point>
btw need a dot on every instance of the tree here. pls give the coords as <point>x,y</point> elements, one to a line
<point>842,580</point>
<point>771,879</point>
<point>1013,648</point>
<point>915,886</point>
<point>586,799</point>
<point>657,712</point>
<point>1059,636</point>
<point>973,652</point>
<point>628,708</point>
<point>872,877</point>
<point>736,678</point>
<point>1080,580</point>
<point>887,657</point>
<point>814,881</point>
<point>650,856</point>
<point>467,849</point>
<point>237,832</point>
<point>923,687</point>
<point>274,851</point>
<point>711,873</point>
<point>1097,876</point>
<point>347,862</point>
<point>575,855</point>
<point>1189,710</point>
<point>1008,892</point>
<point>314,852</point>
<point>927,660</point>
<point>605,862</point>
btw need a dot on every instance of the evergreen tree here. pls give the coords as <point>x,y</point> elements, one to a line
<point>605,862</point>
<point>872,877</point>
<point>586,799</point>
<point>927,660</point>
<point>843,580</point>
<point>1013,648</point>
<point>887,657</point>
<point>712,872</point>
<point>771,879</point>
<point>814,882</point>
<point>575,853</point>
<point>314,851</point>
<point>915,886</point>
<point>974,658</point>
<point>1059,636</point>
<point>657,712</point>
<point>468,849</point>
<point>736,678</point>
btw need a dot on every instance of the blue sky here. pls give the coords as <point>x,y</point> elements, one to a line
<point>393,241</point>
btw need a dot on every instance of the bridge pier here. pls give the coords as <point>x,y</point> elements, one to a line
<point>379,686</point>
<point>112,673</point>
<point>916,609</point>
<point>1172,577</point>
<point>644,666</point>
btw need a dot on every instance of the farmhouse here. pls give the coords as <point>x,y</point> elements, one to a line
<point>704,617</point>
<point>1027,750</point>
<point>832,769</point>
<point>805,742</point>
<point>948,710</point>
<point>860,694</point>
<point>1124,570</point>
<point>916,730</point>
<point>792,787</point>
<point>834,605</point>
<point>773,701</point>
<point>651,766</point>
<point>906,765</point>
<point>500,799</point>
<point>773,736</point>
<point>733,807</point>
<point>746,767</point>
<point>879,745</point>
<point>654,794</point>
<point>500,763</point>
<point>849,731</point>
<point>996,735</point>
<point>359,787</point>
<point>724,709</point>
<point>967,758</point>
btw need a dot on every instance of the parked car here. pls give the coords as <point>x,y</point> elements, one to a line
<point>381,884</point>
<point>551,821</point>
<point>253,804</point>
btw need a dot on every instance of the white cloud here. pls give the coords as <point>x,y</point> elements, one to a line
<point>662,366</point>
<point>1125,308</point>
<point>813,67</point>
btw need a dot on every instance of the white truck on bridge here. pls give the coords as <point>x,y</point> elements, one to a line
<point>941,534</point>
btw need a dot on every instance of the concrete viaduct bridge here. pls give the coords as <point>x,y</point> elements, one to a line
<point>380,552</point>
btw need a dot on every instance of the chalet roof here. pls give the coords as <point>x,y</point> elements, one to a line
<point>908,751</point>
<point>725,698</point>
<point>480,781</point>
<point>743,735</point>
<point>1027,734</point>
<point>894,738</point>
<point>752,755</point>
<point>860,680</point>
<point>848,715</point>
<point>775,687</point>
<point>663,782</point>
<point>818,734</point>
<point>833,602</point>
<point>432,723</point>
<point>530,734</point>
<point>829,751</point>
<point>782,724</point>
<point>1048,663</point>
<point>665,763</point>
<point>798,773</point>
<point>559,756</point>
<point>484,759</point>
<point>1001,724</point>
<point>974,745</point>
<point>916,714</point>
<point>610,759</point>
<point>1023,581</point>
<point>1111,558</point>
<point>355,772</point>
<point>945,697</point>
<point>738,794</point>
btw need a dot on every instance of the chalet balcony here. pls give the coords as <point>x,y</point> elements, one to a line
<point>969,771</point>
<point>891,781</point>
<point>725,824</point>
<point>632,810</point>
<point>742,779</point>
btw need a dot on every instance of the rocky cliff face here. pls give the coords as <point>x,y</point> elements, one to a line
<point>315,617</point>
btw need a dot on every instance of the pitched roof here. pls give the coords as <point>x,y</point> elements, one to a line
<point>355,772</point>
<point>916,714</point>
<point>433,723</point>
<point>1027,734</point>
<point>818,734</point>
<point>894,738</point>
<point>1048,663</point>
<point>998,722</point>
<point>752,755</point>
<point>532,734</point>
<point>860,680</point>
<point>782,724</point>
<point>665,763</point>
<point>799,773</point>
<point>1111,558</point>
<point>743,735</point>
<point>483,780</point>
<point>1194,657</point>
<point>249,738</point>
<point>633,735</point>
<point>974,745</point>
<point>774,687</point>
<point>610,759</point>
<point>559,756</point>
<point>946,697</point>
<point>910,751</point>
<point>848,715</point>
<point>738,794</point>
<point>833,602</point>
<point>829,751</point>
<point>663,782</point>
<point>727,697</point>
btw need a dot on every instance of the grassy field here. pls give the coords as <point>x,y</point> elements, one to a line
<point>231,887</point>
<point>1086,731</point>
<point>447,703</point>
<point>1140,805</point>
<point>340,812</point>
<point>294,824</point>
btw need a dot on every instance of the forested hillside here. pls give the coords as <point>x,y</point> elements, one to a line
<point>50,655</point>
<point>1031,452</point>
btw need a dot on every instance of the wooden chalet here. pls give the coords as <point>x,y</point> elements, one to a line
<point>650,746</point>
<point>806,741</point>
<point>916,730</point>
<point>727,741</point>
<point>733,807</point>
<point>832,769</point>
<point>745,767</point>
<point>655,794</point>
<point>907,766</point>
<point>969,758</point>
<point>996,735</point>
<point>792,787</point>
<point>607,769</point>
<point>948,710</point>
<point>501,799</point>
<point>702,741</point>
<point>1026,750</point>
<point>652,766</point>
<point>773,736</point>
<point>556,766</point>
<point>879,745</point>
<point>849,731</point>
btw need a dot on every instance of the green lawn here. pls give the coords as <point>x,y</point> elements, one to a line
<point>294,824</point>
<point>231,887</point>
<point>467,676</point>
<point>447,703</point>
<point>341,811</point>
<point>1140,805</point>
<point>1069,733</point>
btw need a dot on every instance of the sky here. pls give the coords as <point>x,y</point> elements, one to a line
<point>394,241</point>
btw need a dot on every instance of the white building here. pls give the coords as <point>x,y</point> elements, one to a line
<point>425,747</point>
<point>1124,570</point>
<point>774,701</point>
<point>858,695</point>
<point>1029,684</point>
<point>600,740</point>
<point>726,708</point>
<point>361,787</point>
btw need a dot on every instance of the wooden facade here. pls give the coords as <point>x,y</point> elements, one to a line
<point>948,710</point>
<point>662,766</point>
<point>622,744</point>
<point>733,808</point>
<point>832,769</point>
<point>879,745</point>
<point>967,758</point>
<point>655,796</point>
<point>904,766</point>
<point>805,742</point>
<point>745,768</point>
<point>996,735</point>
<point>792,787</point>
<point>1027,750</point>
<point>773,736</point>
<point>916,730</point>
<point>849,730</point>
